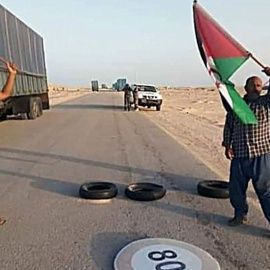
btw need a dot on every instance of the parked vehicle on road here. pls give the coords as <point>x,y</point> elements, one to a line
<point>149,96</point>
<point>24,47</point>
<point>94,85</point>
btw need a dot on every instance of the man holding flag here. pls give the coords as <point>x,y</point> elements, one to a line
<point>247,128</point>
<point>248,148</point>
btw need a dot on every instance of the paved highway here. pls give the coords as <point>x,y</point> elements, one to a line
<point>44,162</point>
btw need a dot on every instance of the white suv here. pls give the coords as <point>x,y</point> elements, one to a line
<point>148,95</point>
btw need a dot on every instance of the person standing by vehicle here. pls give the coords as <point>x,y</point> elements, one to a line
<point>6,92</point>
<point>127,95</point>
<point>136,98</point>
<point>248,148</point>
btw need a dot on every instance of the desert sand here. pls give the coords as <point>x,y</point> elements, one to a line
<point>195,118</point>
<point>60,94</point>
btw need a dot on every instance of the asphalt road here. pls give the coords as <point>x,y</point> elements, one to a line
<point>44,162</point>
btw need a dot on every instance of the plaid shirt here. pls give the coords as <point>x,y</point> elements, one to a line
<point>249,140</point>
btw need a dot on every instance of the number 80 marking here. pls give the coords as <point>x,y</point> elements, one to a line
<point>166,254</point>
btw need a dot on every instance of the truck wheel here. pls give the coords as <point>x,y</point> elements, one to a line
<point>158,107</point>
<point>3,117</point>
<point>33,108</point>
<point>148,106</point>
<point>40,110</point>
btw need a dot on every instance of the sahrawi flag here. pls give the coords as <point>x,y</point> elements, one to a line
<point>222,56</point>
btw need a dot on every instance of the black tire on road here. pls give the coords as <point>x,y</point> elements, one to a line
<point>158,107</point>
<point>214,189</point>
<point>145,191</point>
<point>98,190</point>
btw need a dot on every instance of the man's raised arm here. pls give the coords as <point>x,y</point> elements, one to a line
<point>7,89</point>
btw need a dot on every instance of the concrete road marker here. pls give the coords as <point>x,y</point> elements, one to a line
<point>163,254</point>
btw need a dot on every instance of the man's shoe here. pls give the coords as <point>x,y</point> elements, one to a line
<point>235,221</point>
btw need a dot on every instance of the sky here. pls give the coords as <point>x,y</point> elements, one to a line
<point>145,41</point>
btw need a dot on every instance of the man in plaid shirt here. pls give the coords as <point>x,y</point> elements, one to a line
<point>248,148</point>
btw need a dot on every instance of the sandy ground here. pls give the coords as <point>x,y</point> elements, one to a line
<point>195,118</point>
<point>62,95</point>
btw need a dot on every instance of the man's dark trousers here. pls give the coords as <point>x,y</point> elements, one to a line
<point>242,170</point>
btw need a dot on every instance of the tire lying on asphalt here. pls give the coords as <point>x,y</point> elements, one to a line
<point>98,190</point>
<point>145,191</point>
<point>213,189</point>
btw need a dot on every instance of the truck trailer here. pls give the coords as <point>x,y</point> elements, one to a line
<point>120,84</point>
<point>24,47</point>
<point>94,85</point>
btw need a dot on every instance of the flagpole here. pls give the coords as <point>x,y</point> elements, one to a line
<point>256,60</point>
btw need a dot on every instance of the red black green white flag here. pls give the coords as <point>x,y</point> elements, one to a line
<point>222,56</point>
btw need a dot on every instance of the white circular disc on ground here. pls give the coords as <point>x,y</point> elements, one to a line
<point>163,254</point>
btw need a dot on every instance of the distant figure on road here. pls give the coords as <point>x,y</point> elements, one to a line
<point>248,148</point>
<point>127,95</point>
<point>136,98</point>
<point>6,92</point>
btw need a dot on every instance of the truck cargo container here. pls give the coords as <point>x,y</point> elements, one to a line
<point>119,84</point>
<point>94,85</point>
<point>24,47</point>
<point>104,86</point>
